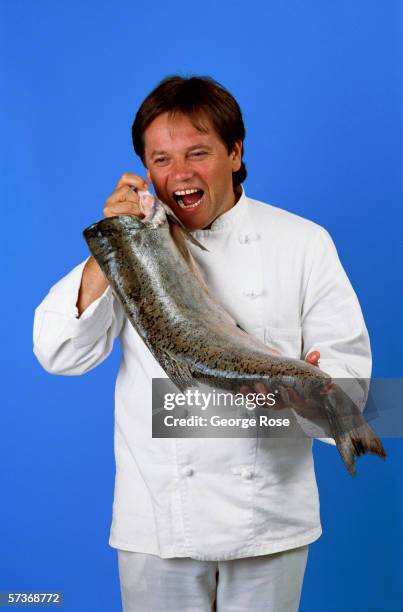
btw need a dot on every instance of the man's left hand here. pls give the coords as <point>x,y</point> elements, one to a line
<point>302,406</point>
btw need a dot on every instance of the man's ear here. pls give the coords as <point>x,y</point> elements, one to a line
<point>236,156</point>
<point>148,176</point>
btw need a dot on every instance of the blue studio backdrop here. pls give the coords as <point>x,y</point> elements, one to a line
<point>318,82</point>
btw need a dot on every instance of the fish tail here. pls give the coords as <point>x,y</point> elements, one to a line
<point>354,440</point>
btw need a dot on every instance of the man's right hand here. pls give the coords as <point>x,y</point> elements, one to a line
<point>123,201</point>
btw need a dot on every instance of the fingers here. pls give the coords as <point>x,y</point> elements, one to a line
<point>123,194</point>
<point>123,208</point>
<point>260,389</point>
<point>313,358</point>
<point>128,179</point>
<point>293,396</point>
<point>257,388</point>
<point>124,200</point>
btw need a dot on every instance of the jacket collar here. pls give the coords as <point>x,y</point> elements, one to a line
<point>231,218</point>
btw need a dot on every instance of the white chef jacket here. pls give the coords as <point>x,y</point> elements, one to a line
<point>279,276</point>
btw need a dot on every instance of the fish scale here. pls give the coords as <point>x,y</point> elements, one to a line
<point>192,337</point>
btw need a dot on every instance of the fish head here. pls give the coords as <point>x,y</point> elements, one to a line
<point>155,211</point>
<point>157,214</point>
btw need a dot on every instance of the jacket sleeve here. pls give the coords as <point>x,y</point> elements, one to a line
<point>65,344</point>
<point>332,323</point>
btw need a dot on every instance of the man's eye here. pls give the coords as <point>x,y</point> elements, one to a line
<point>160,160</point>
<point>198,153</point>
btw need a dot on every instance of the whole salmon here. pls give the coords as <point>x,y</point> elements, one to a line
<point>192,337</point>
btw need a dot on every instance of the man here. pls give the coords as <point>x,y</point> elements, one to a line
<point>204,522</point>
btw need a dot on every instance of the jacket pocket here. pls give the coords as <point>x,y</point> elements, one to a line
<point>287,340</point>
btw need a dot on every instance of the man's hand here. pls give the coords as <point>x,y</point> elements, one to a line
<point>313,358</point>
<point>123,201</point>
<point>303,407</point>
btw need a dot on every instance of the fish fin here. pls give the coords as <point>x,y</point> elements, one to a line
<point>178,236</point>
<point>174,219</point>
<point>178,372</point>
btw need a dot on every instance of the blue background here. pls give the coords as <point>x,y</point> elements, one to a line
<point>319,85</point>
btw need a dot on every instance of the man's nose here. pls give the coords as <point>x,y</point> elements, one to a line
<point>182,170</point>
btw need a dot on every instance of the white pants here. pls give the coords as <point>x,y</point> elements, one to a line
<point>271,583</point>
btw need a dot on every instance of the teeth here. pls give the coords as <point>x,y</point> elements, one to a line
<point>186,192</point>
<point>182,205</point>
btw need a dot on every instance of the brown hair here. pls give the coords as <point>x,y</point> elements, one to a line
<point>198,97</point>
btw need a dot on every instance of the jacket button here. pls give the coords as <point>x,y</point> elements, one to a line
<point>252,293</point>
<point>186,471</point>
<point>246,238</point>
<point>246,474</point>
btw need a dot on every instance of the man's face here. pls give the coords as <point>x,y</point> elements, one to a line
<point>179,158</point>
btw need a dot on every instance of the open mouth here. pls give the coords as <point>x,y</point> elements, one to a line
<point>188,198</point>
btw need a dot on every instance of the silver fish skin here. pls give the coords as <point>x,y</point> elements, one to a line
<point>153,274</point>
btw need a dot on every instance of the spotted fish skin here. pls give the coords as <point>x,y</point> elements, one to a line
<point>192,337</point>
